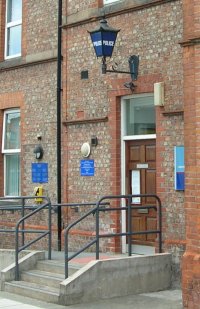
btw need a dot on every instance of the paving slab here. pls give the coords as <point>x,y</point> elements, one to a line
<point>170,299</point>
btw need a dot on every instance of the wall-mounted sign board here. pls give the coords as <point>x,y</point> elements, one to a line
<point>179,168</point>
<point>87,167</point>
<point>39,172</point>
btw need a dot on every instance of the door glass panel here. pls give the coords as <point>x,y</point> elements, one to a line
<point>140,116</point>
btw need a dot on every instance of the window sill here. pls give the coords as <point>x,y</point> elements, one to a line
<point>12,57</point>
<point>44,57</point>
<point>10,62</point>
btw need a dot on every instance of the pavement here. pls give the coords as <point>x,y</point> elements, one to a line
<point>170,299</point>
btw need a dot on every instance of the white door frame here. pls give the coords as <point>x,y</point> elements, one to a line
<point>125,138</point>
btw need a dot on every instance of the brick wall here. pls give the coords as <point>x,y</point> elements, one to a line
<point>74,7</point>
<point>29,83</point>
<point>37,222</point>
<point>2,28</point>
<point>153,32</point>
<point>191,258</point>
<point>92,106</point>
<point>41,26</point>
<point>170,134</point>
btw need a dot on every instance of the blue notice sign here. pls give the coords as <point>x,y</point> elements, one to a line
<point>179,168</point>
<point>87,167</point>
<point>39,172</point>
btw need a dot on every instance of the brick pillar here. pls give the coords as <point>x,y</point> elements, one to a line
<point>191,57</point>
<point>2,28</point>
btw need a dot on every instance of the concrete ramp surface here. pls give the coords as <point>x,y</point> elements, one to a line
<point>117,277</point>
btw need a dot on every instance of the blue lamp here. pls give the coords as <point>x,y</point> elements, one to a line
<point>103,40</point>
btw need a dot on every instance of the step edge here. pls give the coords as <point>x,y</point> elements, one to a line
<point>44,275</point>
<point>20,285</point>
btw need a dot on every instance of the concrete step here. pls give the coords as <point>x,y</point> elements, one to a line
<point>33,290</point>
<point>43,282</point>
<point>42,277</point>
<point>56,267</point>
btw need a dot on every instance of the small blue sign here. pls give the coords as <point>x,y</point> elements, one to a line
<point>39,172</point>
<point>179,168</point>
<point>87,167</point>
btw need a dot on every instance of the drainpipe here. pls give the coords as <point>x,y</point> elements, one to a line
<point>59,90</point>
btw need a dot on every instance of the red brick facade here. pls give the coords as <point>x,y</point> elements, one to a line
<point>28,83</point>
<point>153,30</point>
<point>191,258</point>
<point>165,35</point>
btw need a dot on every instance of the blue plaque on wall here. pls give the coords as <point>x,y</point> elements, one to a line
<point>87,167</point>
<point>39,172</point>
<point>179,169</point>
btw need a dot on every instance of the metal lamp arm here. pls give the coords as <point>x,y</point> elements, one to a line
<point>133,65</point>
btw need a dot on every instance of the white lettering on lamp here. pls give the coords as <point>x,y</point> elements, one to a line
<point>106,43</point>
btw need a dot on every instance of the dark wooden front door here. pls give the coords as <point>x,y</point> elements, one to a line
<point>141,179</point>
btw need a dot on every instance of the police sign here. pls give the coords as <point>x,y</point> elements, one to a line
<point>103,39</point>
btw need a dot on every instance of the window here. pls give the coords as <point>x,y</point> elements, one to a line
<point>13,28</point>
<point>140,115</point>
<point>110,1</point>
<point>11,151</point>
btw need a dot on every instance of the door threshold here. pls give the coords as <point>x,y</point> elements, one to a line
<point>141,249</point>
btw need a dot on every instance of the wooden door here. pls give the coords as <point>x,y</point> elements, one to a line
<point>141,179</point>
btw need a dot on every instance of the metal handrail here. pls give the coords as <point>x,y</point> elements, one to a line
<point>35,209</point>
<point>23,230</point>
<point>75,205</point>
<point>16,207</point>
<point>129,233</point>
<point>66,232</point>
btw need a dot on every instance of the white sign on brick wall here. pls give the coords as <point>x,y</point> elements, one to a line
<point>110,1</point>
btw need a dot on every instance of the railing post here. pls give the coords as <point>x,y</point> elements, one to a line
<point>160,224</point>
<point>66,253</point>
<point>50,233</point>
<point>129,227</point>
<point>16,253</point>
<point>97,231</point>
<point>22,212</point>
